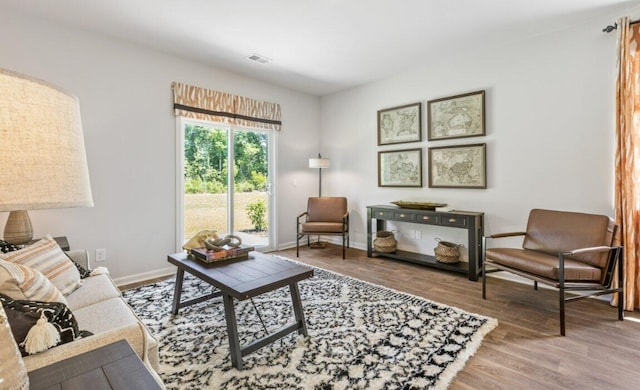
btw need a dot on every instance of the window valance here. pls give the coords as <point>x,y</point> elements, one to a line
<point>199,103</point>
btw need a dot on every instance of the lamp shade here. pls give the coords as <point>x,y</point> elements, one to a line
<point>319,162</point>
<point>42,155</point>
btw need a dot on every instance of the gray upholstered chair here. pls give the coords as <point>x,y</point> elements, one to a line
<point>325,216</point>
<point>567,250</point>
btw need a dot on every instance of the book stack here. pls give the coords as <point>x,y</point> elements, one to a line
<point>228,253</point>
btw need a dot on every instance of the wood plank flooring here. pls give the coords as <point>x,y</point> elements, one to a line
<point>526,350</point>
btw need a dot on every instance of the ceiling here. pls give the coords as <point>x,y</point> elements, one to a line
<point>318,46</point>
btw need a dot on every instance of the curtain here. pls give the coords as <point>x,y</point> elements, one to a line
<point>255,113</point>
<point>199,103</point>
<point>627,157</point>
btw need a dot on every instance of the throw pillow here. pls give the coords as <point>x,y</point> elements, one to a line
<point>24,314</point>
<point>21,282</point>
<point>46,256</point>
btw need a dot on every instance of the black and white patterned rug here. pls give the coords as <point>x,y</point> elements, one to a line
<point>361,336</point>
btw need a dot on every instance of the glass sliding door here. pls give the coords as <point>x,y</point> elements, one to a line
<point>205,190</point>
<point>251,186</point>
<point>225,182</point>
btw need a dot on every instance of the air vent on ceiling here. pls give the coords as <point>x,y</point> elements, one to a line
<point>259,58</point>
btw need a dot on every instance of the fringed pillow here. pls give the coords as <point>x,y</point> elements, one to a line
<point>38,326</point>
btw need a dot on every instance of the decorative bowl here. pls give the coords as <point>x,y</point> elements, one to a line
<point>418,205</point>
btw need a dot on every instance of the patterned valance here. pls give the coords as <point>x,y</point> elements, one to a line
<point>205,104</point>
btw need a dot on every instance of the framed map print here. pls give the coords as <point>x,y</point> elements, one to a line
<point>400,168</point>
<point>456,116</point>
<point>400,124</point>
<point>462,166</point>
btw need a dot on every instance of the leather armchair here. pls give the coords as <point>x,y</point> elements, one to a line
<point>566,250</point>
<point>325,216</point>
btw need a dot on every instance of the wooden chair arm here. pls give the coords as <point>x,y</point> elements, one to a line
<point>594,249</point>
<point>301,215</point>
<point>502,235</point>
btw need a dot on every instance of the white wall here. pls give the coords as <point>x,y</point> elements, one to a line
<point>550,131</point>
<point>549,134</point>
<point>126,105</point>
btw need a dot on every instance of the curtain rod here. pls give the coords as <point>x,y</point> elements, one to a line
<point>610,28</point>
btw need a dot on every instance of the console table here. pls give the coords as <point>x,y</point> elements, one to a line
<point>473,222</point>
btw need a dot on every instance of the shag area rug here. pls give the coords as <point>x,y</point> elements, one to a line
<point>361,336</point>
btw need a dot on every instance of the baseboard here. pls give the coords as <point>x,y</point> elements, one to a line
<point>145,276</point>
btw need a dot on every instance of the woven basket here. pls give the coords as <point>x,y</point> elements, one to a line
<point>385,242</point>
<point>447,252</point>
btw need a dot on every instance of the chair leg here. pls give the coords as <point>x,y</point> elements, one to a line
<point>562,325</point>
<point>343,247</point>
<point>535,284</point>
<point>621,305</point>
<point>297,245</point>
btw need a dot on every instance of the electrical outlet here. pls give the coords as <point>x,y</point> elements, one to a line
<point>418,234</point>
<point>101,254</point>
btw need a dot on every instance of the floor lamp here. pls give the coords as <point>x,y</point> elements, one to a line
<point>319,163</point>
<point>43,157</point>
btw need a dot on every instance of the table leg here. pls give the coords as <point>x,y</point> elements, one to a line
<point>177,292</point>
<point>297,309</point>
<point>232,331</point>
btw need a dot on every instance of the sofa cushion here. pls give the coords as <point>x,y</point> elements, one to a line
<point>23,315</point>
<point>543,265</point>
<point>24,283</point>
<point>105,315</point>
<point>94,289</point>
<point>53,355</point>
<point>108,316</point>
<point>46,256</point>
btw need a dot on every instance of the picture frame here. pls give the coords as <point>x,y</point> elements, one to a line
<point>457,116</point>
<point>400,124</point>
<point>458,166</point>
<point>400,168</point>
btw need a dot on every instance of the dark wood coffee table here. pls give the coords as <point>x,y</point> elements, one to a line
<point>113,366</point>
<point>243,280</point>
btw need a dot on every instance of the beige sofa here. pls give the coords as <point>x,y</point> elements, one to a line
<point>99,308</point>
